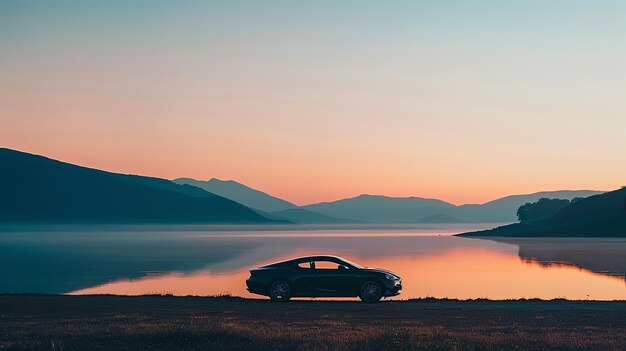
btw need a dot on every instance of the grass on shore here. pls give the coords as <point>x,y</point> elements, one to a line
<point>175,323</point>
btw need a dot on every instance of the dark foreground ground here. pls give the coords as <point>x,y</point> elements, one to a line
<point>42,322</point>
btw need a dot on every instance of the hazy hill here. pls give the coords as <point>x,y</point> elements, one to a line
<point>240,193</point>
<point>38,189</point>
<point>302,216</point>
<point>601,215</point>
<point>381,209</point>
<point>439,218</point>
<point>600,207</point>
<point>505,209</point>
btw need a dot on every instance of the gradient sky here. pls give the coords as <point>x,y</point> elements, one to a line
<point>318,100</point>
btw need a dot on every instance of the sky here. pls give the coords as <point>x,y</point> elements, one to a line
<point>312,101</point>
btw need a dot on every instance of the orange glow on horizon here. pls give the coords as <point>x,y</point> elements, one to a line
<point>302,188</point>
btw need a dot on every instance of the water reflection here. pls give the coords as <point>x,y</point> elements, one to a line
<point>604,255</point>
<point>456,273</point>
<point>200,262</point>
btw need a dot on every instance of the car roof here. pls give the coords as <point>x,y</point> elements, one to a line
<point>308,258</point>
<point>319,257</point>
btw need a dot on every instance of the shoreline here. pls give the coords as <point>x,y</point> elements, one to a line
<point>319,299</point>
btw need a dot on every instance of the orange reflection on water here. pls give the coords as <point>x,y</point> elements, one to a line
<point>456,273</point>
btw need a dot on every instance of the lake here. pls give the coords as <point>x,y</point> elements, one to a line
<point>213,260</point>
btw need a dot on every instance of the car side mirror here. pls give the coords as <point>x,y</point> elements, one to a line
<point>342,267</point>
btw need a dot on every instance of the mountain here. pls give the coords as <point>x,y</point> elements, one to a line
<point>601,215</point>
<point>439,218</point>
<point>302,216</point>
<point>38,189</point>
<point>240,193</point>
<point>381,209</point>
<point>505,209</point>
<point>265,204</point>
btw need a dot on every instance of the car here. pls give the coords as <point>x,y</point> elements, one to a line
<point>322,276</point>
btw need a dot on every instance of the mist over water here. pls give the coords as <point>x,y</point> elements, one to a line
<point>209,260</point>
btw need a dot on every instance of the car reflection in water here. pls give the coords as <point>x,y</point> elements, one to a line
<point>322,276</point>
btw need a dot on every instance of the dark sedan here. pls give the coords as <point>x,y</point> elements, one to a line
<point>322,276</point>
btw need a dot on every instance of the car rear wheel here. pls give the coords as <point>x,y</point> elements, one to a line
<point>370,292</point>
<point>280,291</point>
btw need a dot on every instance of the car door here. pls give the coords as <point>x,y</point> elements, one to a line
<point>330,280</point>
<point>304,278</point>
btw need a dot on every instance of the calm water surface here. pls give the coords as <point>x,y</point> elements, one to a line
<point>209,260</point>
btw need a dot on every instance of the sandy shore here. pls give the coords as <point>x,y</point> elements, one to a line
<point>52,322</point>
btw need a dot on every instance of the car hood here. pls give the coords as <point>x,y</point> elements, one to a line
<point>380,270</point>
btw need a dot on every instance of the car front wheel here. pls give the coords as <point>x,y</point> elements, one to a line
<point>370,292</point>
<point>280,291</point>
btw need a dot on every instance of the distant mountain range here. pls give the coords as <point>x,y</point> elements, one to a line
<point>38,189</point>
<point>505,209</point>
<point>303,216</point>
<point>383,209</point>
<point>267,205</point>
<point>378,209</point>
<point>240,193</point>
<point>601,215</point>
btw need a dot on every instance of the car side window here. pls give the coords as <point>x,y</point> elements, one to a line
<point>306,265</point>
<point>326,265</point>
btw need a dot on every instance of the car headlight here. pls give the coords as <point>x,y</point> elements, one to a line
<point>391,277</point>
